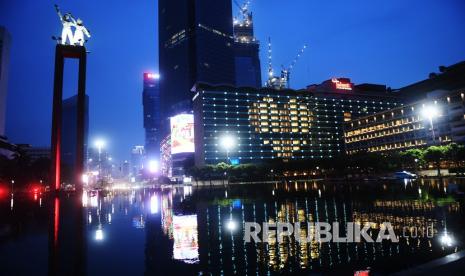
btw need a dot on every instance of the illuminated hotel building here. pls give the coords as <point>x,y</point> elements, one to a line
<point>286,124</point>
<point>408,126</point>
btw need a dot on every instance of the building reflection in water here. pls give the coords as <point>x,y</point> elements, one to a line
<point>203,229</point>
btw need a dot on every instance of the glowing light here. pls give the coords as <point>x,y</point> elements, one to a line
<point>153,166</point>
<point>187,190</point>
<point>447,240</point>
<point>430,112</point>
<point>94,201</point>
<point>84,199</point>
<point>231,225</point>
<point>85,179</point>
<point>153,76</point>
<point>341,85</point>
<point>99,144</point>
<point>227,142</point>
<point>99,235</point>
<point>56,220</point>
<point>154,204</point>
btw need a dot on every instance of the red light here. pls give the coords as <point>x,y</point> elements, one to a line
<point>341,85</point>
<point>151,76</point>
<point>56,220</point>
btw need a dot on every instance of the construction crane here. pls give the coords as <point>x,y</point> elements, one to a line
<point>282,81</point>
<point>244,14</point>
<point>273,81</point>
<point>286,72</point>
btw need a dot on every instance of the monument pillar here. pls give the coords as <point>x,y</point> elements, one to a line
<point>61,53</point>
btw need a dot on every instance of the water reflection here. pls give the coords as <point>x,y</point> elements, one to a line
<point>188,230</point>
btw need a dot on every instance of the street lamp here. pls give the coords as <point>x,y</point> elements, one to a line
<point>99,144</point>
<point>430,112</point>
<point>227,142</point>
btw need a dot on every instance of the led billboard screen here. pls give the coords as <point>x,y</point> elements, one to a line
<point>182,133</point>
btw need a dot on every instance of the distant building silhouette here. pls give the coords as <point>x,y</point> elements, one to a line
<point>137,160</point>
<point>151,102</point>
<point>69,133</point>
<point>5,40</point>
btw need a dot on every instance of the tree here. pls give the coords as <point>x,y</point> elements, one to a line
<point>455,153</point>
<point>412,157</point>
<point>435,154</point>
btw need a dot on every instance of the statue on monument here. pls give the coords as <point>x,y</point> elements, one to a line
<point>69,22</point>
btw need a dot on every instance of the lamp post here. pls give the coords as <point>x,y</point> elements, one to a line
<point>227,142</point>
<point>430,112</point>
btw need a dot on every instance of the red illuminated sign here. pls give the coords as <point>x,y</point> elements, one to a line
<point>152,76</point>
<point>341,85</point>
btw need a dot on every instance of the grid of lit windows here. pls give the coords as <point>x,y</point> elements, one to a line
<point>405,127</point>
<point>268,124</point>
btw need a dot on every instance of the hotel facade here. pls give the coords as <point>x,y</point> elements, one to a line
<point>267,124</point>
<point>434,114</point>
<point>410,126</point>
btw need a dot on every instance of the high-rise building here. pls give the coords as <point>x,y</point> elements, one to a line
<point>265,124</point>
<point>434,114</point>
<point>137,160</point>
<point>69,131</point>
<point>246,51</point>
<point>151,102</point>
<point>5,40</point>
<point>196,44</point>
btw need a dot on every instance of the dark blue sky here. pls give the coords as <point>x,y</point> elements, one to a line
<point>393,42</point>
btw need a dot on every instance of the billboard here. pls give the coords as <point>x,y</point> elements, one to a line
<point>182,133</point>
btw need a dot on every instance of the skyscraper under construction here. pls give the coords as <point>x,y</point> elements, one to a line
<point>196,44</point>
<point>246,49</point>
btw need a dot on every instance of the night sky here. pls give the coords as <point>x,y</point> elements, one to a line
<point>393,42</point>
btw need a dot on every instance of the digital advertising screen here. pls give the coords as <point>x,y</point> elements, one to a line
<point>182,133</point>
